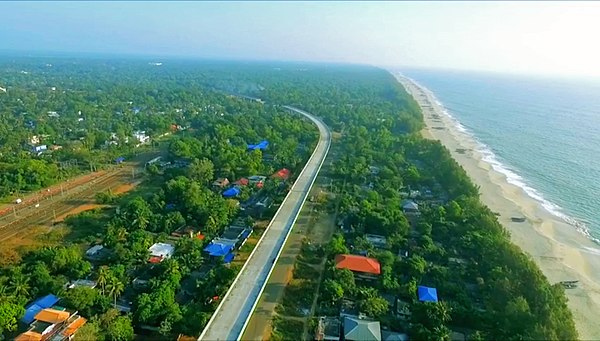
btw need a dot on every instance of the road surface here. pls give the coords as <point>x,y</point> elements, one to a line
<point>234,311</point>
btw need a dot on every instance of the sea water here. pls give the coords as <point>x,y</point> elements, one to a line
<point>542,133</point>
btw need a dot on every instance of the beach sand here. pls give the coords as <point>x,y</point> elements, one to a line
<point>558,248</point>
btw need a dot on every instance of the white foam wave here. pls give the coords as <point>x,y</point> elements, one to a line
<point>512,177</point>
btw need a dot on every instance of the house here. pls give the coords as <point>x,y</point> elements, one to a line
<point>328,329</point>
<point>141,136</point>
<point>242,182</point>
<point>39,149</point>
<point>282,174</point>
<point>81,283</point>
<point>362,266</point>
<point>262,145</point>
<point>221,182</point>
<point>160,252</point>
<point>357,329</point>
<point>56,147</point>
<point>379,242</point>
<point>38,305</point>
<point>94,250</point>
<point>220,247</point>
<point>52,316</point>
<point>409,207</point>
<point>254,179</point>
<point>427,294</point>
<point>34,140</point>
<point>231,192</point>
<point>97,252</point>
<point>53,324</point>
<point>238,234</point>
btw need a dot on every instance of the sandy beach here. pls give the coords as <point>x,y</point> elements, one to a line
<point>557,247</point>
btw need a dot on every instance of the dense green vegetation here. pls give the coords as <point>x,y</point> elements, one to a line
<point>179,294</point>
<point>488,288</point>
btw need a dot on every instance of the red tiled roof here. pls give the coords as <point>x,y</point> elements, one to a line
<point>358,264</point>
<point>259,184</point>
<point>242,182</point>
<point>282,174</point>
<point>155,259</point>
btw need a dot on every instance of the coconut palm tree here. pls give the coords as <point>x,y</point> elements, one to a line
<point>19,283</point>
<point>103,277</point>
<point>115,288</point>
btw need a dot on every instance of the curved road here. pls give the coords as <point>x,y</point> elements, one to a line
<point>234,311</point>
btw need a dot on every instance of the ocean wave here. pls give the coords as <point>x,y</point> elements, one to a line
<point>512,177</point>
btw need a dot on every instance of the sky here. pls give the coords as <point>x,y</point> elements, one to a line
<point>546,38</point>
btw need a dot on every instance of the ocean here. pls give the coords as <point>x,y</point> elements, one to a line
<point>542,133</point>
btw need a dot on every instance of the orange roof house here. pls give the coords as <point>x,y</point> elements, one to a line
<point>52,316</point>
<point>356,263</point>
<point>29,336</point>
<point>74,326</point>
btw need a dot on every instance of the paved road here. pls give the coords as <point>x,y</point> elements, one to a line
<point>234,311</point>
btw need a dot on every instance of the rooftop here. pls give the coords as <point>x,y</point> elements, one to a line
<point>162,250</point>
<point>52,315</point>
<point>361,330</point>
<point>358,264</point>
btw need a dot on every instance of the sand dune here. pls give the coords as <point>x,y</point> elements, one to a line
<point>557,247</point>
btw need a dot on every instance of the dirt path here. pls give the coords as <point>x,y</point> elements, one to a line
<point>318,228</point>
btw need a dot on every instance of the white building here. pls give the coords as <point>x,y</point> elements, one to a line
<point>141,136</point>
<point>161,251</point>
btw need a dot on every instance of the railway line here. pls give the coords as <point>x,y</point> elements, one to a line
<point>57,206</point>
<point>59,202</point>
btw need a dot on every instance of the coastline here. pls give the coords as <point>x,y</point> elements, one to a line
<point>561,252</point>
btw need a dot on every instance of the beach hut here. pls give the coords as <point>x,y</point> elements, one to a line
<point>427,294</point>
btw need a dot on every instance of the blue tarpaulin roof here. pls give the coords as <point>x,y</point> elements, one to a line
<point>36,306</point>
<point>231,192</point>
<point>228,258</point>
<point>218,249</point>
<point>246,233</point>
<point>119,159</point>
<point>427,294</point>
<point>262,145</point>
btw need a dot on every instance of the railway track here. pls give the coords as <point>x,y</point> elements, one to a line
<point>58,205</point>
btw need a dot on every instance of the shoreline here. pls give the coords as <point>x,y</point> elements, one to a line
<point>561,252</point>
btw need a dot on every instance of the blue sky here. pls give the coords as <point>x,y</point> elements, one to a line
<point>542,38</point>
